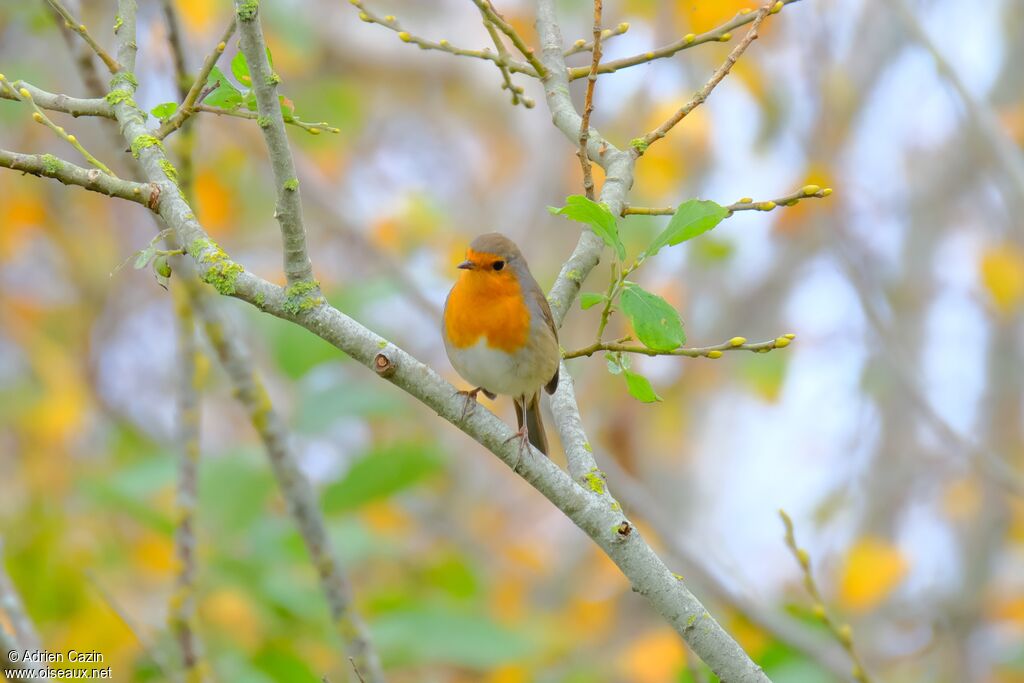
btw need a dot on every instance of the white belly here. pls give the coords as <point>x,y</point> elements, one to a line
<point>497,371</point>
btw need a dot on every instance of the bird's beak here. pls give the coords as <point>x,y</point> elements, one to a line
<point>466,265</point>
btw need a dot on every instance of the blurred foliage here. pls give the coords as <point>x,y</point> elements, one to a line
<point>905,290</point>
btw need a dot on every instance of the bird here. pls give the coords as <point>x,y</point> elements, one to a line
<point>500,335</point>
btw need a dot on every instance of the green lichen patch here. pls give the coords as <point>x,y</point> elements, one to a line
<point>217,267</point>
<point>260,300</point>
<point>263,121</point>
<point>169,170</point>
<point>595,481</point>
<point>122,78</point>
<point>248,9</point>
<point>273,79</point>
<point>118,23</point>
<point>116,96</point>
<point>142,142</point>
<point>303,296</point>
<point>639,144</point>
<point>292,184</point>
<point>51,164</point>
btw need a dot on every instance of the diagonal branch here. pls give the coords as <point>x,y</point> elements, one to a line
<point>702,94</point>
<point>288,212</point>
<point>718,34</point>
<point>487,9</point>
<point>76,106</point>
<point>79,28</point>
<point>188,104</point>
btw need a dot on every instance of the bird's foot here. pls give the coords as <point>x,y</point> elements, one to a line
<point>523,435</point>
<point>470,400</point>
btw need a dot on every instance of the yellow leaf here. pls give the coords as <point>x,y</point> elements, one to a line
<point>654,657</point>
<point>873,569</point>
<point>1002,274</point>
<point>216,204</point>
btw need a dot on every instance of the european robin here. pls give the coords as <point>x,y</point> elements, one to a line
<point>499,333</point>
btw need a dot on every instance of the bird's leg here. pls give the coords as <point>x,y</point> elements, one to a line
<point>470,405</point>
<point>523,435</point>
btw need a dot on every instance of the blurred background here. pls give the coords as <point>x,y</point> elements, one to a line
<point>890,429</point>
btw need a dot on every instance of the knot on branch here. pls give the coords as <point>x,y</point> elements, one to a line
<point>624,529</point>
<point>384,365</point>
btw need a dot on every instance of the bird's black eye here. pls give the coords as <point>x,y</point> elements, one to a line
<point>498,265</point>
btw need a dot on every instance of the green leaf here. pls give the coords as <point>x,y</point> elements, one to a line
<point>656,323</point>
<point>589,299</point>
<point>640,387</point>
<point>144,257</point>
<point>582,210</point>
<point>287,108</point>
<point>381,473</point>
<point>164,111</point>
<point>250,100</point>
<point>692,218</point>
<point>224,95</point>
<point>240,69</point>
<point>445,635</point>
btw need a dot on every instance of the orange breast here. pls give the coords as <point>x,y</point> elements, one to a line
<point>488,305</point>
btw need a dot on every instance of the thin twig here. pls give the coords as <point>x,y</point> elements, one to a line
<point>80,29</point>
<point>80,52</point>
<point>588,45</point>
<point>588,106</point>
<point>506,75</point>
<point>188,103</point>
<point>177,43</point>
<point>312,128</point>
<point>745,204</point>
<point>356,670</point>
<point>39,116</point>
<point>698,98</point>
<point>75,106</point>
<point>719,34</point>
<point>492,14</point>
<point>715,351</point>
<point>841,632</point>
<point>391,23</point>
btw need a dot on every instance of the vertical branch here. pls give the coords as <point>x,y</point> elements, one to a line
<point>588,105</point>
<point>297,266</point>
<point>182,609</point>
<point>295,488</point>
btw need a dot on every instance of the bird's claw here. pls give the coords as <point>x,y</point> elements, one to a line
<point>523,435</point>
<point>470,400</point>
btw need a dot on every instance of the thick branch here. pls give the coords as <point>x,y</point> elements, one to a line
<point>297,266</point>
<point>49,166</point>
<point>76,106</point>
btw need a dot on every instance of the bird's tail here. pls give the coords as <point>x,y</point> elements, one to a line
<point>534,424</point>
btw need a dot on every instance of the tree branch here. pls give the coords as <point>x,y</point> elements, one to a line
<point>745,204</point>
<point>49,166</point>
<point>734,344</point>
<point>391,23</point>
<point>182,608</point>
<point>79,28</point>
<point>295,488</point>
<point>702,94</point>
<point>487,8</point>
<point>716,35</point>
<point>288,212</point>
<point>75,106</point>
<point>506,75</point>
<point>588,105</point>
<point>188,104</point>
